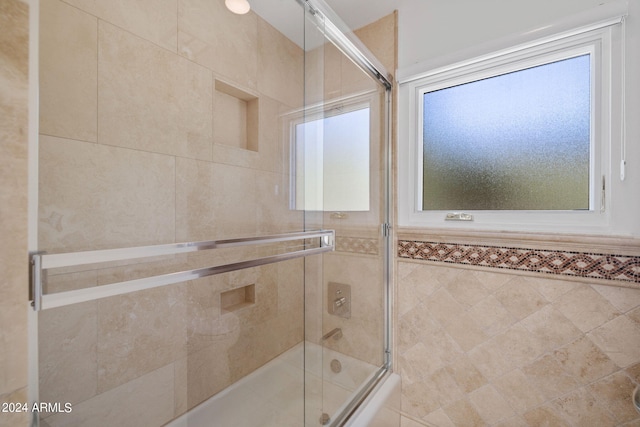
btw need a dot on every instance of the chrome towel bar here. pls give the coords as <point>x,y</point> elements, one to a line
<point>40,263</point>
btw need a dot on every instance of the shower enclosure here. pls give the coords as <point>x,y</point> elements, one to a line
<point>212,216</point>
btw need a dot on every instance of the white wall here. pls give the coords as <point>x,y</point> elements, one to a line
<point>428,29</point>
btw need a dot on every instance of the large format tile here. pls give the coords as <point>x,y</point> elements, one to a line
<point>203,324</point>
<point>145,401</point>
<point>362,333</point>
<point>180,387</point>
<point>274,136</point>
<point>67,351</point>
<point>208,370</point>
<point>13,419</point>
<point>95,196</point>
<point>68,72</point>
<point>380,38</point>
<point>14,60</point>
<point>281,65</point>
<point>235,204</point>
<point>195,195</point>
<point>291,284</point>
<point>150,99</point>
<point>210,35</point>
<point>321,71</point>
<point>153,20</point>
<point>14,331</point>
<point>274,214</point>
<point>138,333</point>
<point>353,80</point>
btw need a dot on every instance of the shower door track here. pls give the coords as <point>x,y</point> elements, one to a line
<point>41,263</point>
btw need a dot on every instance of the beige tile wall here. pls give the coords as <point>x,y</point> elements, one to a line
<point>499,349</point>
<point>363,332</point>
<point>128,157</point>
<point>151,99</point>
<point>14,54</point>
<point>69,72</point>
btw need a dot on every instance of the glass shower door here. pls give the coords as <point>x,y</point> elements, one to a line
<point>170,136</point>
<point>172,141</point>
<point>341,153</point>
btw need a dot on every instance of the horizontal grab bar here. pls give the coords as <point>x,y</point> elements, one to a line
<point>39,261</point>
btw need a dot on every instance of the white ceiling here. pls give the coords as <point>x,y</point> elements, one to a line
<point>358,13</point>
<point>430,29</point>
<point>285,15</point>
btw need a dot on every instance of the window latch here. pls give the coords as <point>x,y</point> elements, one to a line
<point>458,216</point>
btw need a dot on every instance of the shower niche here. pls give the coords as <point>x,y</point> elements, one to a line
<point>236,117</point>
<point>237,298</point>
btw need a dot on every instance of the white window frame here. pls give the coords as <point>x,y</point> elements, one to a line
<point>343,105</point>
<point>605,67</point>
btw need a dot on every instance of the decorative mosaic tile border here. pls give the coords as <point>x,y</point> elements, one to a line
<point>579,264</point>
<point>358,245</point>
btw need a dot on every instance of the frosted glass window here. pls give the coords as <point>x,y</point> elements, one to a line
<point>517,141</point>
<point>332,162</point>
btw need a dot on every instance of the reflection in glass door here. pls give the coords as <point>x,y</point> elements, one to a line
<point>339,178</point>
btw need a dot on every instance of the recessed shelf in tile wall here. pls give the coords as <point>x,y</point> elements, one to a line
<point>235,117</point>
<point>237,298</point>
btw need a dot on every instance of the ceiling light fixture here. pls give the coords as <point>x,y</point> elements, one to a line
<point>238,6</point>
